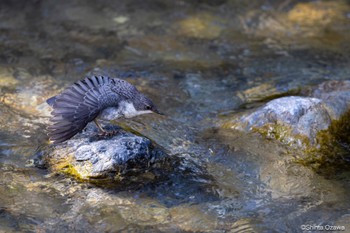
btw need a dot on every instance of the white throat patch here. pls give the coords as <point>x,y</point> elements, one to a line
<point>125,109</point>
<point>128,110</point>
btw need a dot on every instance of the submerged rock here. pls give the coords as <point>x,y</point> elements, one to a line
<point>28,96</point>
<point>300,23</point>
<point>87,156</point>
<point>203,26</point>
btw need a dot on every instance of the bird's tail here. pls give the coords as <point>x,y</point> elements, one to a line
<point>51,101</point>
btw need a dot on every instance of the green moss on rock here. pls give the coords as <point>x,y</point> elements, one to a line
<point>66,166</point>
<point>333,152</point>
<point>284,134</point>
<point>82,172</point>
<point>329,154</point>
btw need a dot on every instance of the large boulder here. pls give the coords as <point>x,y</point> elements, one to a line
<point>316,125</point>
<point>287,118</point>
<point>89,157</point>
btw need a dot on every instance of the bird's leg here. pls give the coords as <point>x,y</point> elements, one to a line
<point>103,132</point>
<point>99,126</point>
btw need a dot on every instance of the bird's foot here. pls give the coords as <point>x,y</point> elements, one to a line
<point>105,134</point>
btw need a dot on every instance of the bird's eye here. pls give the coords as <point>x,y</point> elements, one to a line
<point>148,107</point>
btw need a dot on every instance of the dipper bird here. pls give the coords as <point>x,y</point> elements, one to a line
<point>94,97</point>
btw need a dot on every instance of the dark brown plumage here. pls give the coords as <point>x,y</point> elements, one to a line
<point>85,100</point>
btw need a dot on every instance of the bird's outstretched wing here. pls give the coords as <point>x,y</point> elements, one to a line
<point>76,106</point>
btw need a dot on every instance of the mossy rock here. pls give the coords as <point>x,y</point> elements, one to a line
<point>306,127</point>
<point>333,152</point>
<point>97,160</point>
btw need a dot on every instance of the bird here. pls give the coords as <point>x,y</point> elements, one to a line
<point>93,98</point>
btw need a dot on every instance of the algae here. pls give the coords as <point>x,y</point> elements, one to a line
<point>328,155</point>
<point>65,166</point>
<point>333,153</point>
<point>284,134</point>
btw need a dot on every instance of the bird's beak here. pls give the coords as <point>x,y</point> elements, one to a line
<point>158,112</point>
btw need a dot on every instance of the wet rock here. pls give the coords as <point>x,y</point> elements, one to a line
<point>172,50</point>
<point>28,96</point>
<point>6,78</point>
<point>203,26</point>
<point>301,23</point>
<point>335,95</point>
<point>285,118</point>
<point>318,124</point>
<point>316,13</point>
<point>258,92</point>
<point>88,156</point>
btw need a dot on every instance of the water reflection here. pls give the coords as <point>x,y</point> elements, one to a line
<point>200,61</point>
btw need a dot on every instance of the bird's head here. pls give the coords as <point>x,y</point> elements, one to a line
<point>139,105</point>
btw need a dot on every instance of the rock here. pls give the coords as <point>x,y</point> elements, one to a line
<point>287,118</point>
<point>300,24</point>
<point>106,155</point>
<point>28,96</point>
<point>171,49</point>
<point>87,156</point>
<point>7,79</point>
<point>316,13</point>
<point>316,127</point>
<point>335,96</point>
<point>203,26</point>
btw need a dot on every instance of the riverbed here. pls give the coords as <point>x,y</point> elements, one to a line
<point>200,62</point>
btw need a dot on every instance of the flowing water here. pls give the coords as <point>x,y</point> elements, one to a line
<point>201,62</point>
